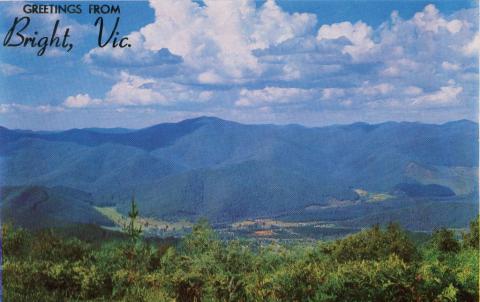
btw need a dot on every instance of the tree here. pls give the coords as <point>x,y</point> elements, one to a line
<point>203,239</point>
<point>472,238</point>
<point>444,240</point>
<point>375,244</point>
<point>130,228</point>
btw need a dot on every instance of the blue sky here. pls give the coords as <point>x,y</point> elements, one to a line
<point>306,62</point>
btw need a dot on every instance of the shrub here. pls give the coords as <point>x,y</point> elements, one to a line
<point>15,242</point>
<point>373,265</point>
<point>390,279</point>
<point>444,240</point>
<point>374,244</point>
<point>472,238</point>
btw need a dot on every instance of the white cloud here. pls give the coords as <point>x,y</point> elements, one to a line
<point>15,107</point>
<point>473,47</point>
<point>359,35</point>
<point>373,90</point>
<point>450,66</point>
<point>332,93</point>
<point>268,32</point>
<point>413,90</point>
<point>347,102</point>
<point>215,41</point>
<point>134,90</point>
<point>238,59</point>
<point>80,101</point>
<point>4,108</point>
<point>430,20</point>
<point>400,67</point>
<point>446,95</point>
<point>206,95</point>
<point>219,57</point>
<point>48,108</point>
<point>209,77</point>
<point>10,70</point>
<point>272,95</point>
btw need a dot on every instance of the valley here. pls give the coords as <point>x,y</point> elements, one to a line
<point>251,229</point>
<point>262,182</point>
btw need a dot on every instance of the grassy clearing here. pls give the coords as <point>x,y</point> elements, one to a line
<point>148,224</point>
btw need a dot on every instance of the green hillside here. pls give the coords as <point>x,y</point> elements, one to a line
<point>227,171</point>
<point>36,207</point>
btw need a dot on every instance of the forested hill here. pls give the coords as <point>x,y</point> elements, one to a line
<point>227,171</point>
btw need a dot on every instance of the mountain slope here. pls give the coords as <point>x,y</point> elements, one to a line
<point>38,207</point>
<point>227,171</point>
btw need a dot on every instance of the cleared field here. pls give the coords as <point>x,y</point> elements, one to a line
<point>149,225</point>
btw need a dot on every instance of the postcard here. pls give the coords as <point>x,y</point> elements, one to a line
<point>239,150</point>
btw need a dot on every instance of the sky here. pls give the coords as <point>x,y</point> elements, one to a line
<point>306,62</point>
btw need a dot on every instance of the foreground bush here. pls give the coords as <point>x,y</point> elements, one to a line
<point>373,265</point>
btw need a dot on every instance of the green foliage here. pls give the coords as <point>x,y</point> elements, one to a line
<point>472,238</point>
<point>373,265</point>
<point>445,241</point>
<point>131,229</point>
<point>299,278</point>
<point>14,243</point>
<point>375,244</point>
<point>448,277</point>
<point>385,280</point>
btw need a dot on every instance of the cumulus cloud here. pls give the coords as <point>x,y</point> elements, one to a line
<point>131,57</point>
<point>430,20</point>
<point>80,101</point>
<point>237,56</point>
<point>216,41</point>
<point>358,34</point>
<point>134,90</point>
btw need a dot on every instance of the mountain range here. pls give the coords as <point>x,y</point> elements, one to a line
<point>227,171</point>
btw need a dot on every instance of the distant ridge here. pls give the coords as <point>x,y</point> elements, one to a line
<point>217,119</point>
<point>227,171</point>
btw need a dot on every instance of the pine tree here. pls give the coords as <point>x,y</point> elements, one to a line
<point>133,231</point>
